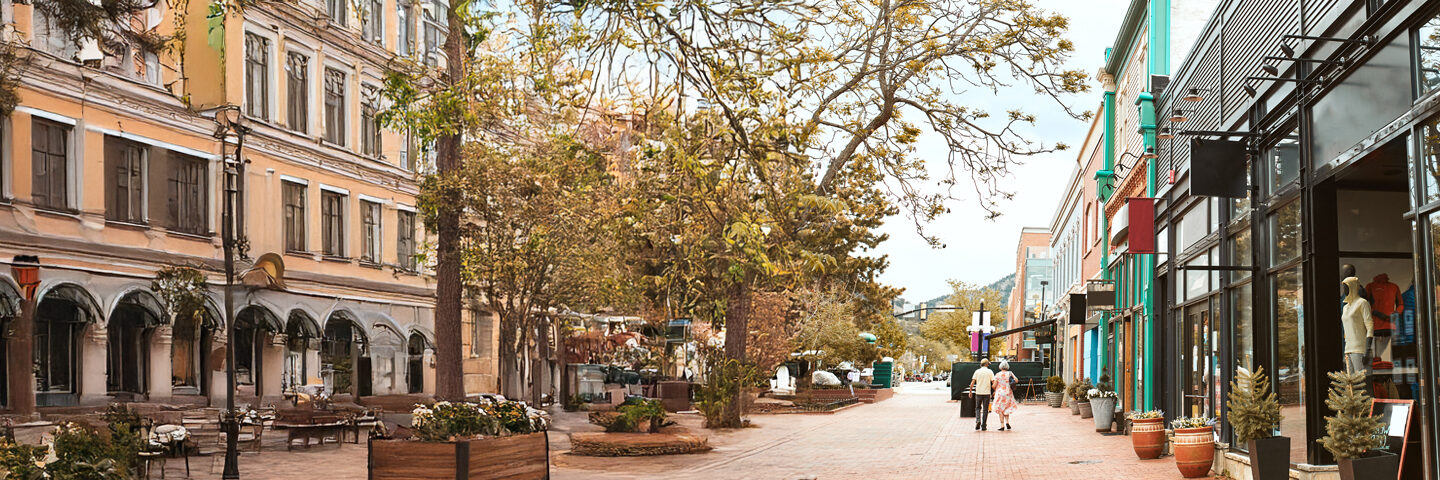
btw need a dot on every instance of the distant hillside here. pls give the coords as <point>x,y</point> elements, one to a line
<point>1005,286</point>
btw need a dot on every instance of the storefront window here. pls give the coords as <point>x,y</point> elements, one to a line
<point>1285,234</point>
<point>1241,255</point>
<point>1197,282</point>
<point>1430,160</point>
<point>1284,161</point>
<point>1242,308</point>
<point>1193,226</point>
<point>1428,54</point>
<point>1199,346</point>
<point>1289,296</point>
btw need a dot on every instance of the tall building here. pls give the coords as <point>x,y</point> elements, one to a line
<point>1033,272</point>
<point>112,171</point>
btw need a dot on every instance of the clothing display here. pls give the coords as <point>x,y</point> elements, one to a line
<point>1384,302</point>
<point>1405,324</point>
<point>1357,321</point>
<point>1379,364</point>
<point>1355,362</point>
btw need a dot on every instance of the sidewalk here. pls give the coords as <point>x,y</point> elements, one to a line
<point>918,434</point>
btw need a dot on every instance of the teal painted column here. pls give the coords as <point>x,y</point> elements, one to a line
<point>1146,274</point>
<point>1105,184</point>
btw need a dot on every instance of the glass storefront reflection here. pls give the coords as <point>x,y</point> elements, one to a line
<point>1289,297</point>
<point>1285,234</point>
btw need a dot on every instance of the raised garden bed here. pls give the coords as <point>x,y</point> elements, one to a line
<point>516,457</point>
<point>636,444</point>
<point>803,407</point>
<point>865,395</point>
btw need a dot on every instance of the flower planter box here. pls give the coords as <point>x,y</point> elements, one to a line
<point>1194,451</point>
<point>1147,437</point>
<point>1053,399</point>
<point>865,395</point>
<point>1085,410</point>
<point>517,457</point>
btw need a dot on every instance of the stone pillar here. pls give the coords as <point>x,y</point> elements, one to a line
<point>427,365</point>
<point>216,365</point>
<point>272,365</point>
<point>93,345</point>
<point>161,366</point>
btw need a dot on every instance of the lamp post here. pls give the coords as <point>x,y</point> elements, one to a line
<point>228,121</point>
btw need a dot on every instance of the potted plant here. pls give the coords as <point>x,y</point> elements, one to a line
<point>1255,415</point>
<point>463,440</point>
<point>1054,391</point>
<point>1352,435</point>
<point>1194,445</point>
<point>1147,433</point>
<point>1102,406</point>
<point>1079,396</point>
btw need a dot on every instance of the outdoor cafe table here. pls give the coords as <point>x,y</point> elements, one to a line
<point>308,431</point>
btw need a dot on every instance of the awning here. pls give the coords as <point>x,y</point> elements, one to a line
<point>1020,329</point>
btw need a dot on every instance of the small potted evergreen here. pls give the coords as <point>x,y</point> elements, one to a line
<point>1079,397</point>
<point>1054,391</point>
<point>1255,415</point>
<point>1352,435</point>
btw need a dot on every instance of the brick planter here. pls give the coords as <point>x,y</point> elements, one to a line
<point>865,395</point>
<point>517,457</point>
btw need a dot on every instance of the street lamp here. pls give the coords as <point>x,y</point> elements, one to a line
<point>229,120</point>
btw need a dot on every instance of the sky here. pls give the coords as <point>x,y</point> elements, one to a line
<point>980,251</point>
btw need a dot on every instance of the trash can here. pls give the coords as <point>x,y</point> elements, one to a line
<point>967,404</point>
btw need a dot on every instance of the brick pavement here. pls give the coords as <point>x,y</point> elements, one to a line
<point>918,434</point>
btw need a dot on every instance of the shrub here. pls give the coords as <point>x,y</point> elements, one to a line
<point>19,460</point>
<point>652,411</point>
<point>81,453</point>
<point>1054,384</point>
<point>1146,415</point>
<point>1352,431</point>
<point>445,421</point>
<point>1192,422</point>
<point>1079,389</point>
<point>1254,409</point>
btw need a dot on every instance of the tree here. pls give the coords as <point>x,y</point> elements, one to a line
<point>951,326</point>
<point>1352,431</point>
<point>1254,408</point>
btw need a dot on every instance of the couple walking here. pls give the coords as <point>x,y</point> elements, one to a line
<point>985,384</point>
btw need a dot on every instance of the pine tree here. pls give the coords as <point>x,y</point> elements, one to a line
<point>1254,409</point>
<point>1352,431</point>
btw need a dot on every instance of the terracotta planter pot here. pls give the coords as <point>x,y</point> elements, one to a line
<point>1103,409</point>
<point>1377,466</point>
<point>1194,451</point>
<point>1147,435</point>
<point>1074,407</point>
<point>1053,398</point>
<point>517,457</point>
<point>1269,458</point>
<point>1085,411</point>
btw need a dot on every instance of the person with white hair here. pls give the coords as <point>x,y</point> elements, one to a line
<point>1004,403</point>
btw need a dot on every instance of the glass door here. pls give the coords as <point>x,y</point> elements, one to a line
<point>1199,351</point>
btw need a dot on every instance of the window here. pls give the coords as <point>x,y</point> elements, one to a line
<point>51,38</point>
<point>436,17</point>
<point>405,242</point>
<point>332,226</point>
<point>405,30</point>
<point>373,26</point>
<point>336,9</point>
<point>1287,293</point>
<point>185,348</point>
<point>335,106</point>
<point>125,160</point>
<point>50,146</point>
<point>1285,234</point>
<point>186,193</point>
<point>478,334</point>
<point>294,194</point>
<point>369,124</point>
<point>370,220</point>
<point>1428,54</point>
<point>257,76</point>
<point>1284,162</point>
<point>297,89</point>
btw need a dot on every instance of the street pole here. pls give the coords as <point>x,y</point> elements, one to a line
<point>229,120</point>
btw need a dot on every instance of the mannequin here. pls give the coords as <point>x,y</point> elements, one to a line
<point>1386,305</point>
<point>1358,324</point>
<point>1346,271</point>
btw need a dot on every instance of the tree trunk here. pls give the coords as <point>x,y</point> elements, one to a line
<point>508,370</point>
<point>449,366</point>
<point>542,343</point>
<point>737,329</point>
<point>563,359</point>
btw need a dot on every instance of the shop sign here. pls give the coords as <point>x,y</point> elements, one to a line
<point>1141,212</point>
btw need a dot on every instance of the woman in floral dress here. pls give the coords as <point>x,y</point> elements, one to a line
<point>1004,403</point>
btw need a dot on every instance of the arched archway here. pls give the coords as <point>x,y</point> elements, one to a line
<point>190,337</point>
<point>415,362</point>
<point>341,354</point>
<point>301,335</point>
<point>127,357</point>
<point>61,317</point>
<point>252,325</point>
<point>387,358</point>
